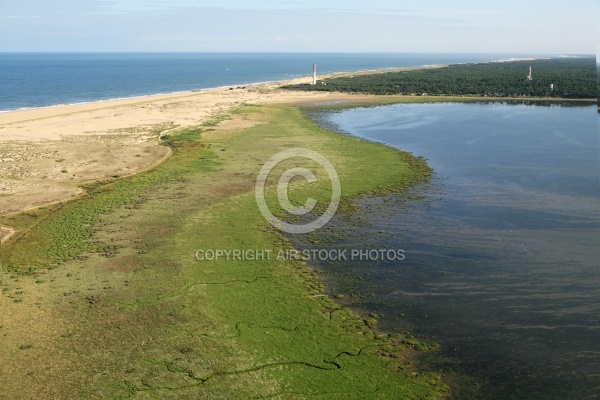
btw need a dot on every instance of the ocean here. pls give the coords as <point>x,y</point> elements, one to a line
<point>29,80</point>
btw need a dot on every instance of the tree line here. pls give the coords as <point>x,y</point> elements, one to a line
<point>558,77</point>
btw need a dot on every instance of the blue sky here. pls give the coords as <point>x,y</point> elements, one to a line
<point>495,26</point>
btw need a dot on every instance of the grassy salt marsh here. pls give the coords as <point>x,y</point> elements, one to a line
<point>102,297</point>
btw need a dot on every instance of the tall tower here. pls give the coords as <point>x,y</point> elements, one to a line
<point>314,81</point>
<point>530,76</point>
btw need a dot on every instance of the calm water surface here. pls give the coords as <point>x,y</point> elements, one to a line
<point>502,247</point>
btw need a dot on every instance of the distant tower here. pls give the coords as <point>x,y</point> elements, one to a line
<point>552,86</point>
<point>530,76</point>
<point>314,81</point>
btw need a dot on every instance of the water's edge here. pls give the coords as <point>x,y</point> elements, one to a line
<point>366,289</point>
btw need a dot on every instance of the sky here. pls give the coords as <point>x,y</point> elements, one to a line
<point>448,26</point>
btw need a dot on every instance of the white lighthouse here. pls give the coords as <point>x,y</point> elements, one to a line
<point>530,76</point>
<point>314,81</point>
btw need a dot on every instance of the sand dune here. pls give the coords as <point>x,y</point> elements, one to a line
<point>46,153</point>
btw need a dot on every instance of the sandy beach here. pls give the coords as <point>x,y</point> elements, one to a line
<point>47,153</point>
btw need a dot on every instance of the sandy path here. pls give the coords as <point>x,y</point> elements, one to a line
<point>6,233</point>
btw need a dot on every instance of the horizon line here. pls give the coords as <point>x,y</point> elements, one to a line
<point>284,52</point>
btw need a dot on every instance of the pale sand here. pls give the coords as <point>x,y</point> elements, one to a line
<point>5,234</point>
<point>46,153</point>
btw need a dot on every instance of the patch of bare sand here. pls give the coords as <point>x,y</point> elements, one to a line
<point>5,233</point>
<point>34,174</point>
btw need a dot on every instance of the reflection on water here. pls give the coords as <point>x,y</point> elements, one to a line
<point>502,257</point>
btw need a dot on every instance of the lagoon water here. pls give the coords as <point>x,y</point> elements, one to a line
<point>502,247</point>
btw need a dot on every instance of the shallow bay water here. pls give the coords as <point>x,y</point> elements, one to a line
<point>502,260</point>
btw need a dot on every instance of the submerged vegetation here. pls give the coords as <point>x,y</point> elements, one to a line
<point>102,297</point>
<point>562,78</point>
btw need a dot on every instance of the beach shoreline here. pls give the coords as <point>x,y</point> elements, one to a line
<point>29,113</point>
<point>169,94</point>
<point>290,79</point>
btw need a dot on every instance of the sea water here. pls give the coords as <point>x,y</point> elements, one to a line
<point>44,79</point>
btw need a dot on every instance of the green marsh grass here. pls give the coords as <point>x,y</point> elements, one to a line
<point>129,312</point>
